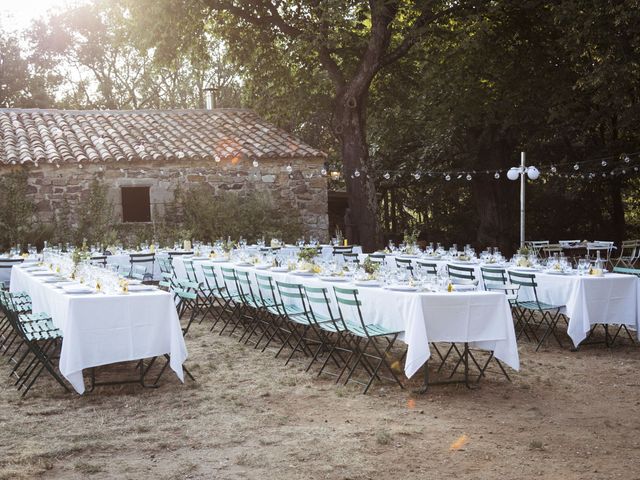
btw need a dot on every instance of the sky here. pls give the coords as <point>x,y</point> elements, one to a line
<point>18,14</point>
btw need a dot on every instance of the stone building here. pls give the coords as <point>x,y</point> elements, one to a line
<point>143,155</point>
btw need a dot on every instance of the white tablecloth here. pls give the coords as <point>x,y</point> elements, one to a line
<point>613,299</point>
<point>481,318</point>
<point>100,329</point>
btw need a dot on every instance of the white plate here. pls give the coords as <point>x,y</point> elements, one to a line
<point>555,272</point>
<point>402,288</point>
<point>303,273</point>
<point>141,288</point>
<point>331,278</point>
<point>199,259</point>
<point>218,260</point>
<point>367,283</point>
<point>464,288</point>
<point>53,280</point>
<point>43,273</point>
<point>524,269</point>
<point>74,289</point>
<point>407,255</point>
<point>243,264</point>
<point>262,266</point>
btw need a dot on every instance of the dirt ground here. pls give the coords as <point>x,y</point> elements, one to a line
<point>565,415</point>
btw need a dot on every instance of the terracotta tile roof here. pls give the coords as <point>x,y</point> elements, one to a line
<point>61,136</point>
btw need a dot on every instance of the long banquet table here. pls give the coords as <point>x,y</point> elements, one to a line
<point>100,329</point>
<point>613,299</point>
<point>481,318</point>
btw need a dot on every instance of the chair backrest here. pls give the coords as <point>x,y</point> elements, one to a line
<point>211,279</point>
<point>351,257</point>
<point>142,257</point>
<point>429,267</point>
<point>99,260</point>
<point>138,272</point>
<point>320,307</point>
<point>244,286</point>
<point>464,273</point>
<point>190,270</point>
<point>293,298</point>
<point>524,280</point>
<point>166,281</point>
<point>165,265</point>
<point>551,248</point>
<point>10,262</point>
<point>267,291</point>
<point>230,279</point>
<point>349,307</point>
<point>404,263</point>
<point>627,271</point>
<point>341,250</point>
<point>569,242</point>
<point>491,275</point>
<point>377,257</point>
<point>537,245</point>
<point>177,254</point>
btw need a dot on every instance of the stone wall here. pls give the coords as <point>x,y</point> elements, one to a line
<point>304,189</point>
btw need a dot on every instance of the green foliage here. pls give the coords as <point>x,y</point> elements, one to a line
<point>94,215</point>
<point>210,216</point>
<point>307,254</point>
<point>17,220</point>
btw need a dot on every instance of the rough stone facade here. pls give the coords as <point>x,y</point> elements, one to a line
<point>304,189</point>
<point>229,149</point>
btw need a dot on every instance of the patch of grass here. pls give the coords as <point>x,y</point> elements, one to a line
<point>88,468</point>
<point>383,437</point>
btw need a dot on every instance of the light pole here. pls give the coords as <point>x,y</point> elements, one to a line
<point>521,171</point>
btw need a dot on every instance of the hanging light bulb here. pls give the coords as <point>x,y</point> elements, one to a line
<point>604,163</point>
<point>469,177</point>
<point>289,168</point>
<point>553,169</point>
<point>417,175</point>
<point>323,172</point>
<point>216,158</point>
<point>255,164</point>
<point>623,171</point>
<point>386,175</point>
<point>447,177</point>
<point>356,173</point>
<point>626,159</point>
<point>576,167</point>
<point>496,175</point>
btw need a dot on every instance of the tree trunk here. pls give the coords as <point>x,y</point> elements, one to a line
<point>361,191</point>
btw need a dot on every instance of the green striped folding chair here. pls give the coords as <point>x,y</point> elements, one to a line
<point>219,301</point>
<point>458,272</point>
<point>429,268</point>
<point>277,326</point>
<point>349,309</point>
<point>405,264</point>
<point>296,311</point>
<point>252,305</point>
<point>38,343</point>
<point>230,281</point>
<point>528,309</point>
<point>334,332</point>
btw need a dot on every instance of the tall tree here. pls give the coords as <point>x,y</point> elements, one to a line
<point>351,41</point>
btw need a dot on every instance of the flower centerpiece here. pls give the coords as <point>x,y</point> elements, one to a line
<point>371,269</point>
<point>411,241</point>
<point>306,257</point>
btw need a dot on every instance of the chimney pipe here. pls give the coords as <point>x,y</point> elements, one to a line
<point>210,98</point>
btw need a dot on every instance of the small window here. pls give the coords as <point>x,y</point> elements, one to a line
<point>136,205</point>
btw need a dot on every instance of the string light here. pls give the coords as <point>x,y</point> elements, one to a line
<point>447,177</point>
<point>255,164</point>
<point>356,173</point>
<point>496,175</point>
<point>417,175</point>
<point>469,177</point>
<point>386,175</point>
<point>289,168</point>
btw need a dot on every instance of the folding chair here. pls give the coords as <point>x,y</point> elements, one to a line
<point>335,333</point>
<point>404,264</point>
<point>342,250</point>
<point>351,314</point>
<point>216,298</point>
<point>627,255</point>
<point>351,257</point>
<point>538,245</point>
<point>98,260</point>
<point>276,323</point>
<point>39,341</point>
<point>527,309</point>
<point>7,264</point>
<point>142,259</point>
<point>294,306</point>
<point>377,257</point>
<point>458,272</point>
<point>429,268</point>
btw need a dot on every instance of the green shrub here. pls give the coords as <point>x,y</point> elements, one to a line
<point>208,216</point>
<point>17,210</point>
